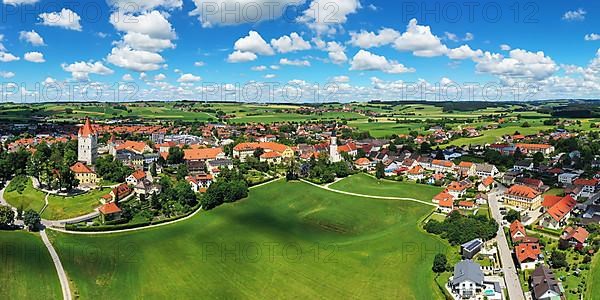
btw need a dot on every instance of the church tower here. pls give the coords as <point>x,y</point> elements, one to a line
<point>87,143</point>
<point>334,155</point>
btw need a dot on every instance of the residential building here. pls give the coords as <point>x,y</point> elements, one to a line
<point>442,166</point>
<point>87,143</point>
<point>588,186</point>
<point>534,148</point>
<point>416,173</point>
<point>557,211</point>
<point>201,182</point>
<point>466,169</point>
<point>458,188</point>
<point>575,237</point>
<point>197,159</point>
<point>118,193</point>
<point>486,170</point>
<point>85,175</point>
<point>486,184</point>
<point>544,285</point>
<point>362,164</point>
<point>528,255</point>
<point>244,150</point>
<point>109,212</point>
<point>146,187</point>
<point>467,279</point>
<point>517,231</point>
<point>567,178</point>
<point>523,196</point>
<point>271,157</point>
<point>135,177</point>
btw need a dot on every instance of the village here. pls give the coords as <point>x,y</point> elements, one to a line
<point>540,196</point>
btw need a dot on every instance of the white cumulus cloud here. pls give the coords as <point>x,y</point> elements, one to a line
<point>66,19</point>
<point>35,57</point>
<point>291,43</point>
<point>135,60</point>
<point>367,61</point>
<point>366,39</point>
<point>31,37</point>
<point>420,41</point>
<point>81,70</point>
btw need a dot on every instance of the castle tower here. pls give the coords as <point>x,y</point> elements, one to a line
<point>87,143</point>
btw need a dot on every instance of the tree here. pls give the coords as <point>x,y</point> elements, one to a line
<point>31,219</point>
<point>7,216</point>
<point>439,263</point>
<point>175,156</point>
<point>380,170</point>
<point>182,172</point>
<point>258,152</point>
<point>538,158</point>
<point>558,259</point>
<point>512,215</point>
<point>153,170</point>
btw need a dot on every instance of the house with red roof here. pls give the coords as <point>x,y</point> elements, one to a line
<point>486,184</point>
<point>244,150</point>
<point>441,166</point>
<point>273,157</point>
<point>458,188</point>
<point>118,193</point>
<point>528,255</point>
<point>200,182</point>
<point>523,196</point>
<point>466,169</point>
<point>557,211</point>
<point>109,212</point>
<point>517,231</point>
<point>446,205</point>
<point>589,187</point>
<point>416,173</point>
<point>349,148</point>
<point>135,177</point>
<point>362,163</point>
<point>85,175</point>
<point>574,237</point>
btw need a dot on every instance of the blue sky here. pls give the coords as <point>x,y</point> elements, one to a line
<point>174,49</point>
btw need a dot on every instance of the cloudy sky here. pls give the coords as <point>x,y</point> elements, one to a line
<point>299,50</point>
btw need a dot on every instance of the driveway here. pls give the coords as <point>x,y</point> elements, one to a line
<point>511,277</point>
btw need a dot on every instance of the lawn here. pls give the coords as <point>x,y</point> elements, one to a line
<point>287,240</point>
<point>28,198</point>
<point>368,185</point>
<point>493,135</point>
<point>60,208</point>
<point>27,271</point>
<point>593,289</point>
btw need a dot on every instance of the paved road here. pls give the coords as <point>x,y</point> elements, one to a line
<point>369,196</point>
<point>511,276</point>
<point>62,276</point>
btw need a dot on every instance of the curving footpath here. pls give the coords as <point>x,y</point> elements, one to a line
<point>62,276</point>
<point>368,196</point>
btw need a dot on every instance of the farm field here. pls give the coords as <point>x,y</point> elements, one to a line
<point>368,185</point>
<point>285,239</point>
<point>492,135</point>
<point>28,198</point>
<point>27,269</point>
<point>60,208</point>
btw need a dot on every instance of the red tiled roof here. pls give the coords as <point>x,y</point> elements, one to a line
<point>443,196</point>
<point>444,163</point>
<point>134,146</point>
<point>586,182</point>
<point>202,154</point>
<point>522,191</point>
<point>86,130</point>
<point>488,181</point>
<point>109,208</point>
<point>416,170</point>
<point>266,145</point>
<point>527,251</point>
<point>532,146</point>
<point>516,227</point>
<point>465,164</point>
<point>580,234</point>
<point>362,161</point>
<point>457,186</point>
<point>139,174</point>
<point>562,207</point>
<point>447,202</point>
<point>347,148</point>
<point>466,204</point>
<point>272,154</point>
<point>80,167</point>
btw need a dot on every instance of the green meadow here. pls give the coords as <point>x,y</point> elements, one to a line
<point>369,185</point>
<point>27,271</point>
<point>287,240</point>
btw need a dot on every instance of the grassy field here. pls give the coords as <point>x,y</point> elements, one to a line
<point>368,185</point>
<point>60,208</point>
<point>593,290</point>
<point>493,135</point>
<point>29,198</point>
<point>287,240</point>
<point>26,268</point>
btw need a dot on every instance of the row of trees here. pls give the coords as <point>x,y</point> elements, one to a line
<point>111,169</point>
<point>7,217</point>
